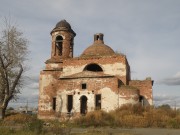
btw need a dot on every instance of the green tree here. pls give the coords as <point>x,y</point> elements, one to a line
<point>165,106</point>
<point>13,53</point>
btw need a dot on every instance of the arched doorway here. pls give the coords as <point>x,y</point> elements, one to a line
<point>83,105</point>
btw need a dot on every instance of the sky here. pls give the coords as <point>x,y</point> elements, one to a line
<point>146,31</point>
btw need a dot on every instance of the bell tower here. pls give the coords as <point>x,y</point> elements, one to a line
<point>62,41</point>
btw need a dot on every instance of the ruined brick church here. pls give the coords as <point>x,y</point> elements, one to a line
<point>98,79</point>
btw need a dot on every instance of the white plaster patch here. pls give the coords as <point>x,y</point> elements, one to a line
<point>109,99</point>
<point>123,101</point>
<point>69,70</point>
<point>115,69</point>
<point>150,101</point>
<point>46,80</point>
<point>54,65</point>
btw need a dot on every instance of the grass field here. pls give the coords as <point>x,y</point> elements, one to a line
<point>87,132</point>
<point>94,131</point>
<point>122,121</point>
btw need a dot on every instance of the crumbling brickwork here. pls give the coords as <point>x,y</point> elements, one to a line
<point>145,88</point>
<point>98,79</point>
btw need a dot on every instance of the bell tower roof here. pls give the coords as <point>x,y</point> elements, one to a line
<point>63,25</point>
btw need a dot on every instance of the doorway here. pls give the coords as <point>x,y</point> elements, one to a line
<point>98,101</point>
<point>83,105</point>
<point>69,103</point>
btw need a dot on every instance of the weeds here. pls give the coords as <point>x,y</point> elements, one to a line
<point>19,118</point>
<point>129,116</point>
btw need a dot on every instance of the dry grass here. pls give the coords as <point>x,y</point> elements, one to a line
<point>99,133</point>
<point>129,116</point>
<point>18,118</point>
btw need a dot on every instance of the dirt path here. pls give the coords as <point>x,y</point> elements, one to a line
<point>151,131</point>
<point>120,131</point>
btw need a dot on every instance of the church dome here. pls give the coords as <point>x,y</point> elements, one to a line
<point>98,49</point>
<point>63,23</point>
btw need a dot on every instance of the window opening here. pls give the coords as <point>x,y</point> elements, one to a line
<point>83,103</point>
<point>54,103</point>
<point>70,103</point>
<point>84,86</point>
<point>71,50</point>
<point>98,101</point>
<point>141,100</point>
<point>93,67</point>
<point>59,41</point>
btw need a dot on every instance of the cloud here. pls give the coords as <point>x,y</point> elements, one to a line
<point>28,98</point>
<point>34,85</point>
<point>34,78</point>
<point>174,80</point>
<point>173,101</point>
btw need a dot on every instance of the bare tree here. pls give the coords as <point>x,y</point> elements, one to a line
<point>13,53</point>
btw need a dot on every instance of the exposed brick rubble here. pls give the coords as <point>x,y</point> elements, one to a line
<point>98,79</point>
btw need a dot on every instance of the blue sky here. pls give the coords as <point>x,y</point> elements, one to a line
<point>146,31</point>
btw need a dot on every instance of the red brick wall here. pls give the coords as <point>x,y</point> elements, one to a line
<point>144,86</point>
<point>103,60</point>
<point>93,84</point>
<point>128,91</point>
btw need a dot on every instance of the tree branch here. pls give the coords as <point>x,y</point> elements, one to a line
<point>17,79</point>
<point>5,76</point>
<point>8,61</point>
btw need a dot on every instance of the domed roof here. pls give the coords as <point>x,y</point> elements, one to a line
<point>63,23</point>
<point>98,49</point>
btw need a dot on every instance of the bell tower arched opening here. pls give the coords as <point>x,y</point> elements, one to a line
<point>59,45</point>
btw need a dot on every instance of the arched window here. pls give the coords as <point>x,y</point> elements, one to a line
<point>59,41</point>
<point>93,67</point>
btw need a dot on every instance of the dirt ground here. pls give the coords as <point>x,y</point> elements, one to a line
<point>120,131</point>
<point>150,131</point>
